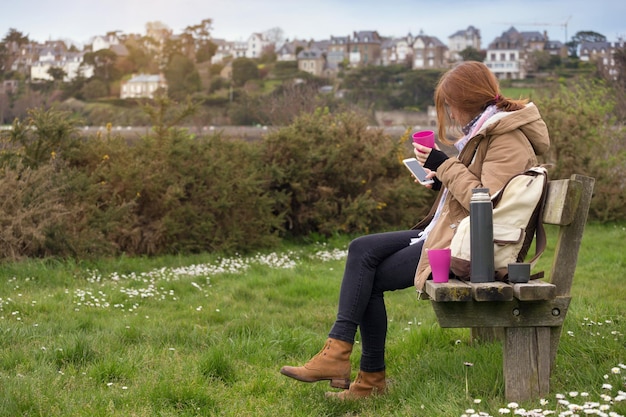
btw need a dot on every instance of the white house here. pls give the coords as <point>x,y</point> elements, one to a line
<point>143,86</point>
<point>507,54</point>
<point>463,39</point>
<point>104,42</point>
<point>69,62</point>
<point>429,52</point>
<point>256,45</point>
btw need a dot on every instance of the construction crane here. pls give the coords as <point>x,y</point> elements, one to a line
<point>563,25</point>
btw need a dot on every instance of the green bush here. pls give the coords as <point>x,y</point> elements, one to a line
<point>333,174</point>
<point>587,139</point>
<point>180,194</point>
<point>326,173</point>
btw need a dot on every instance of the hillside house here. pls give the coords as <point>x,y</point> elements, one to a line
<point>461,40</point>
<point>396,51</point>
<point>143,86</point>
<point>338,52</point>
<point>429,52</point>
<point>104,42</point>
<point>365,49</point>
<point>507,55</point>
<point>290,49</point>
<point>256,45</point>
<point>602,53</point>
<point>312,61</point>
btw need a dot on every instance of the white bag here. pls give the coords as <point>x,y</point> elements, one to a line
<point>517,213</point>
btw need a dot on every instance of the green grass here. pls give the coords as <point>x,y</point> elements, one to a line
<point>518,92</point>
<point>206,336</point>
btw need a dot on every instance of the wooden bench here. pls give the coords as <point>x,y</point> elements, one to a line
<point>528,317</point>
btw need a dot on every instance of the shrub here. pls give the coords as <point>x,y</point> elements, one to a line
<point>331,173</point>
<point>30,203</point>
<point>587,139</point>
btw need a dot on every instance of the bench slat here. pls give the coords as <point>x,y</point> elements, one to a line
<point>513,313</point>
<point>462,291</point>
<point>492,291</point>
<point>561,202</point>
<point>453,290</point>
<point>534,290</point>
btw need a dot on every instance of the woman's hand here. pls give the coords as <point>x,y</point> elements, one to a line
<point>429,175</point>
<point>421,153</point>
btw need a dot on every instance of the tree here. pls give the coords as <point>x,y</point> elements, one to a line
<point>182,77</point>
<point>10,48</point>
<point>198,39</point>
<point>244,69</point>
<point>57,74</point>
<point>540,61</point>
<point>94,89</point>
<point>141,56</point>
<point>472,54</point>
<point>274,35</point>
<point>583,36</point>
<point>103,62</point>
<point>206,52</point>
<point>15,36</point>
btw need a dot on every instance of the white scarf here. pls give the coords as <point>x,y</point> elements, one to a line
<point>459,145</point>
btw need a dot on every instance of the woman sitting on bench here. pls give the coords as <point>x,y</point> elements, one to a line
<point>500,138</point>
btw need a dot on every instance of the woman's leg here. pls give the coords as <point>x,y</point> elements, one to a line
<point>376,263</point>
<point>370,258</point>
<point>396,272</point>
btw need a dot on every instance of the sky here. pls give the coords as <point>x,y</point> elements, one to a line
<point>234,20</point>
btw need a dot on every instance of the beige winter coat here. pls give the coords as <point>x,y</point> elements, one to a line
<point>508,143</point>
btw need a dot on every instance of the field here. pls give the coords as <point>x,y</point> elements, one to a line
<point>206,335</point>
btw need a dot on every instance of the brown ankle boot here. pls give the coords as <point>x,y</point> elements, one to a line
<point>331,363</point>
<point>365,384</point>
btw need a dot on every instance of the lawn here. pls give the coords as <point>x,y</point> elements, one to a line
<point>205,335</point>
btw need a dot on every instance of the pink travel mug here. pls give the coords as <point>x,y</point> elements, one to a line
<point>439,260</point>
<point>425,138</point>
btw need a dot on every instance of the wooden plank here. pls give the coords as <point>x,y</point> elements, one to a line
<point>569,240</point>
<point>534,290</point>
<point>512,313</point>
<point>561,202</point>
<point>453,290</point>
<point>492,291</point>
<point>526,363</point>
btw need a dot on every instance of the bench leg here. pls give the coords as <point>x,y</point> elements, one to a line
<point>555,334</point>
<point>526,363</point>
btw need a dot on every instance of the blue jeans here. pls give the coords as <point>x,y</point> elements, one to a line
<point>376,263</point>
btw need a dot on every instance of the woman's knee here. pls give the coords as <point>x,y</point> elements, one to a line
<point>361,244</point>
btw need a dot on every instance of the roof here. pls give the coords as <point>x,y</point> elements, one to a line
<point>429,40</point>
<point>339,40</point>
<point>471,30</point>
<point>595,45</point>
<point>145,78</point>
<point>366,36</point>
<point>310,54</point>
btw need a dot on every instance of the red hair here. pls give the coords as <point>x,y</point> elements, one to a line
<point>470,88</point>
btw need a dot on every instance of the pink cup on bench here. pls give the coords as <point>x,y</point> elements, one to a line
<point>439,260</point>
